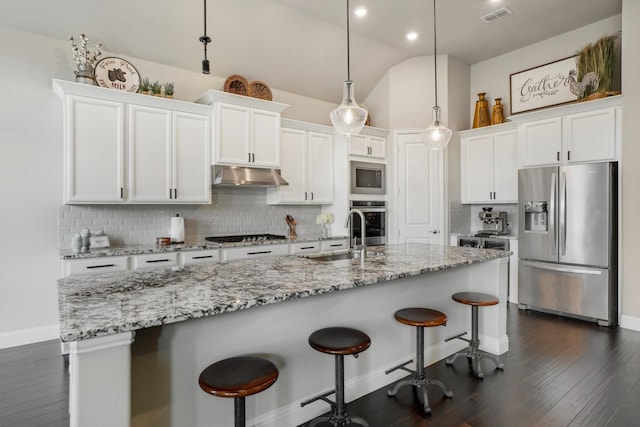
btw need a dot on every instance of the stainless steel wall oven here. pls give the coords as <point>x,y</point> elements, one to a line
<point>375,214</point>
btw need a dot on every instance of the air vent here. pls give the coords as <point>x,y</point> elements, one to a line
<point>494,16</point>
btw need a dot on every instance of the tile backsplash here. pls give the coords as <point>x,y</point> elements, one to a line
<point>233,211</point>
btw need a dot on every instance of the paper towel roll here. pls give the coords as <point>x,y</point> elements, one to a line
<point>177,229</point>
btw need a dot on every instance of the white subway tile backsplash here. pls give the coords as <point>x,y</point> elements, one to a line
<point>234,211</point>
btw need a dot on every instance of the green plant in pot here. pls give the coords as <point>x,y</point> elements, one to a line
<point>168,90</point>
<point>156,88</point>
<point>145,86</point>
<point>599,58</point>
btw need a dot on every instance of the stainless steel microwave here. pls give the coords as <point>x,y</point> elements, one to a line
<point>368,178</point>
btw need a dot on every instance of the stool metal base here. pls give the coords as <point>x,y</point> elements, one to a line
<point>473,353</point>
<point>419,381</point>
<point>338,417</point>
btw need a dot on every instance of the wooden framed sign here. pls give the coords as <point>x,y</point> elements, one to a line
<point>542,86</point>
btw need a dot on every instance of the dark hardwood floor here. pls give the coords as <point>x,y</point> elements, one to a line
<point>558,372</point>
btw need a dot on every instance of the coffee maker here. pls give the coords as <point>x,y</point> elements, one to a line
<point>493,222</point>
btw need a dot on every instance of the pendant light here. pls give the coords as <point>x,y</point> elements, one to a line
<point>205,40</point>
<point>349,118</point>
<point>437,136</point>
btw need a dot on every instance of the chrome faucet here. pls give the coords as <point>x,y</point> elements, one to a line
<point>363,231</point>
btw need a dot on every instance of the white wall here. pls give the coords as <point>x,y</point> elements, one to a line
<point>492,76</point>
<point>31,172</point>
<point>630,171</point>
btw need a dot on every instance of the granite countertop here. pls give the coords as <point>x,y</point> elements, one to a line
<point>105,304</point>
<point>187,246</point>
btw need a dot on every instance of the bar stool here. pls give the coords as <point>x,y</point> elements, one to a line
<point>238,377</point>
<point>420,318</point>
<point>340,342</point>
<point>473,353</point>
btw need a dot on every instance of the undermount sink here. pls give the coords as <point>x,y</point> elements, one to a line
<point>340,256</point>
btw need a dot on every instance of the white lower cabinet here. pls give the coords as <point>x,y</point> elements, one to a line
<point>199,257</point>
<point>334,245</point>
<point>258,251</point>
<point>163,259</point>
<point>306,162</point>
<point>75,267</point>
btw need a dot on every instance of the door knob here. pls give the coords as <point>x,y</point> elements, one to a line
<point>434,231</point>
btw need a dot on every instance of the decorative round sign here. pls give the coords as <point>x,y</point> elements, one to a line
<point>117,73</point>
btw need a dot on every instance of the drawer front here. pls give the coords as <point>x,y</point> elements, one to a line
<point>248,252</point>
<point>199,257</point>
<point>334,245</point>
<point>95,265</point>
<point>305,248</point>
<point>155,260</point>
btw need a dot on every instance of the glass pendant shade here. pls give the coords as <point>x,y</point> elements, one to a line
<point>349,118</point>
<point>437,136</point>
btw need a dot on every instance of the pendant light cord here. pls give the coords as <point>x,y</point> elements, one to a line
<point>435,52</point>
<point>348,47</point>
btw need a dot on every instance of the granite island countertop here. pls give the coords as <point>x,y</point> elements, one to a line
<point>67,254</point>
<point>100,305</point>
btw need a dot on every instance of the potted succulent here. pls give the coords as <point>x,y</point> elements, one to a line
<point>145,86</point>
<point>168,89</point>
<point>156,88</point>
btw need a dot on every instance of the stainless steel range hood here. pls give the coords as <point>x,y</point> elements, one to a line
<point>246,176</point>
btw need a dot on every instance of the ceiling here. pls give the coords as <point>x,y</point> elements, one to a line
<point>300,45</point>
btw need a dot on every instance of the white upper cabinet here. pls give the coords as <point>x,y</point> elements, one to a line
<point>306,155</point>
<point>246,130</point>
<point>489,164</point>
<point>94,135</point>
<point>576,133</point>
<point>371,142</point>
<point>131,148</point>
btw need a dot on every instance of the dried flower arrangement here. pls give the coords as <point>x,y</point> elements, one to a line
<point>599,58</point>
<point>84,58</point>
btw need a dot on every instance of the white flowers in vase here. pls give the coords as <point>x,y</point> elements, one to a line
<point>85,59</point>
<point>325,220</point>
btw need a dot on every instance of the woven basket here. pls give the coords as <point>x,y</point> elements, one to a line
<point>601,94</point>
<point>258,89</point>
<point>236,84</point>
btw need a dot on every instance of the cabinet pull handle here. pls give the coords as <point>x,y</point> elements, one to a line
<point>569,155</point>
<point>175,193</point>
<point>253,157</point>
<point>337,245</point>
<point>557,155</point>
<point>121,192</point>
<point>249,159</point>
<point>170,194</point>
<point>151,261</point>
<point>202,257</point>
<point>258,253</point>
<point>312,195</point>
<point>100,266</point>
<point>308,247</point>
<point>305,195</point>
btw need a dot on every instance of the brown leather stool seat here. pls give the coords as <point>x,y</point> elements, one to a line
<point>238,377</point>
<point>340,342</point>
<point>473,353</point>
<point>420,318</point>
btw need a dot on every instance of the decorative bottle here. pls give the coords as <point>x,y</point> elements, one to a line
<point>481,116</point>
<point>497,114</point>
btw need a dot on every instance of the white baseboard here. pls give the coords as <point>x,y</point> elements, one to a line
<point>293,414</point>
<point>29,336</point>
<point>630,322</point>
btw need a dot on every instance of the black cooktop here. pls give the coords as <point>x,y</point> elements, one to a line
<point>244,238</point>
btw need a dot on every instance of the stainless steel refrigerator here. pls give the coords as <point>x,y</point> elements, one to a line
<point>567,241</point>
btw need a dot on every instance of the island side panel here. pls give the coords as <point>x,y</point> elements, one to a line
<point>173,356</point>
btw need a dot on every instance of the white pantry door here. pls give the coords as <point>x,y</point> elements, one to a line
<point>420,191</point>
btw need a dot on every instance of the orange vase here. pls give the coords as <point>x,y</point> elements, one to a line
<point>497,114</point>
<point>481,116</point>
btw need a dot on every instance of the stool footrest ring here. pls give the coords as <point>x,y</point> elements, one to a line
<point>459,336</point>
<point>401,366</point>
<point>323,396</point>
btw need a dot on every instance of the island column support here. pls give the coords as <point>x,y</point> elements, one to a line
<point>100,381</point>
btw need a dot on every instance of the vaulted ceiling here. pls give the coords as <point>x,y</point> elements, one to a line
<point>300,45</point>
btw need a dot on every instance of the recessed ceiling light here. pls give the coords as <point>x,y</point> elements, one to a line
<point>361,11</point>
<point>412,36</point>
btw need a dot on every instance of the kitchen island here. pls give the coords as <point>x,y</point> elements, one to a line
<point>184,320</point>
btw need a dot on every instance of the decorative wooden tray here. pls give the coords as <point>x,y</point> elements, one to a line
<point>258,89</point>
<point>236,84</point>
